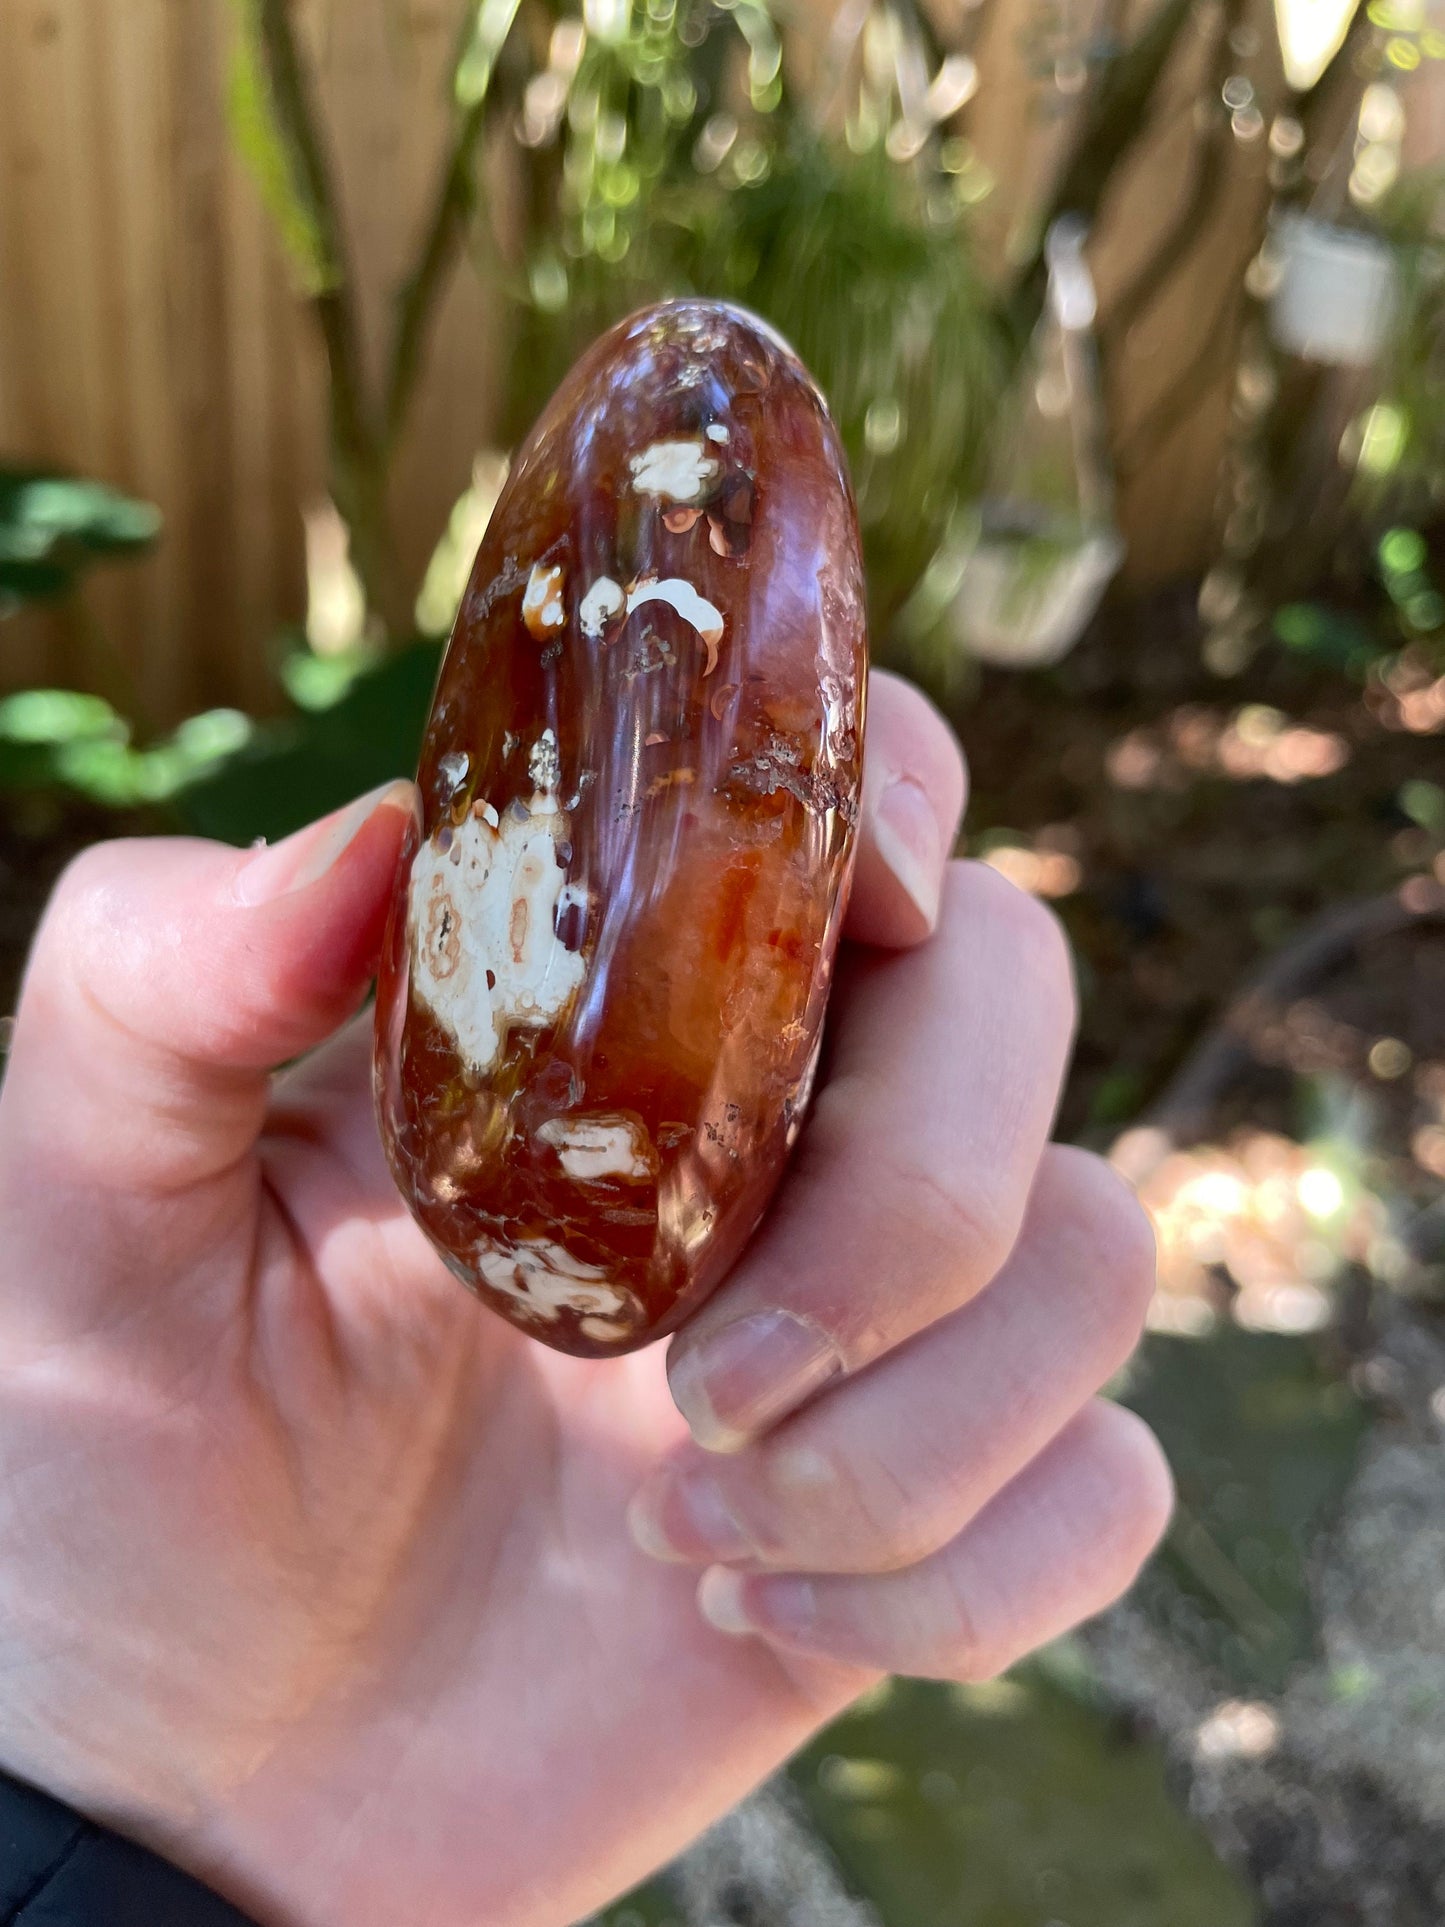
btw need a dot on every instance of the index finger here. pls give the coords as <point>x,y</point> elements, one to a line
<point>914,783</point>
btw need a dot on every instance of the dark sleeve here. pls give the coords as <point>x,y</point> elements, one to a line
<point>58,1869</point>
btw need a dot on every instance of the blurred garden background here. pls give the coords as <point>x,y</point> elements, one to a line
<point>1133,315</point>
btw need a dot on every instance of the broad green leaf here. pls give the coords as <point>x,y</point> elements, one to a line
<point>53,526</point>
<point>296,770</point>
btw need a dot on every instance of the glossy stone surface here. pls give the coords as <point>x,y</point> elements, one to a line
<point>603,990</point>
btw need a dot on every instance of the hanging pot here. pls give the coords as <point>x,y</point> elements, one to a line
<point>1336,296</point>
<point>1030,588</point>
<point>1044,545</point>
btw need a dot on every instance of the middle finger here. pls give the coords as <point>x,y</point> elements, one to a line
<point>912,1177</point>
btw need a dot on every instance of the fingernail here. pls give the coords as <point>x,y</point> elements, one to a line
<point>733,1382</point>
<point>305,857</point>
<point>907,836</point>
<point>728,1601</point>
<point>720,1600</point>
<point>684,1518</point>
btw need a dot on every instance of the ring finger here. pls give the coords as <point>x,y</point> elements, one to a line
<point>1057,1545</point>
<point>888,1467</point>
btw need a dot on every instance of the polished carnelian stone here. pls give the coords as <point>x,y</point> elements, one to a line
<point>602,994</point>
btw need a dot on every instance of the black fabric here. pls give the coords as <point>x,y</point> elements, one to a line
<point>58,1869</point>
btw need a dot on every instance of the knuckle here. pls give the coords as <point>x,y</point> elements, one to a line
<point>1115,1236</point>
<point>1152,1491</point>
<point>79,936</point>
<point>968,1653</point>
<point>951,1222</point>
<point>1036,940</point>
<point>83,890</point>
<point>102,917</point>
<point>896,1514</point>
<point>873,1517</point>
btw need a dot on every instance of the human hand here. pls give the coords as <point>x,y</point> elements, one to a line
<point>315,1576</point>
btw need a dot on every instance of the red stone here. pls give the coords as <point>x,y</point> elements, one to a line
<point>602,995</point>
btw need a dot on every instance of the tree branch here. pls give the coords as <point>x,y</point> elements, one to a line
<point>1177,403</point>
<point>1114,118</point>
<point>358,472</point>
<point>455,199</point>
<point>452,208</point>
<point>1139,294</point>
<point>295,123</point>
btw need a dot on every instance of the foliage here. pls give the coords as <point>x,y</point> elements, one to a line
<point>1410,469</point>
<point>869,276</point>
<point>260,139</point>
<point>1019,1803</point>
<point>294,770</point>
<point>662,151</point>
<point>59,738</point>
<point>54,525</point>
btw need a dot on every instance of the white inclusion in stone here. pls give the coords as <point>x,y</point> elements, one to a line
<point>803,1096</point>
<point>692,607</point>
<point>604,1331</point>
<point>597,608</point>
<point>716,432</point>
<point>453,770</point>
<point>599,1146</point>
<point>547,1279</point>
<point>674,471</point>
<point>544,765</point>
<point>482,913</point>
<point>542,607</point>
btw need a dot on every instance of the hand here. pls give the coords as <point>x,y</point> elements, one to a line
<point>315,1576</point>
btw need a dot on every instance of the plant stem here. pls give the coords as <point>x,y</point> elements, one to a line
<point>452,208</point>
<point>1115,117</point>
<point>417,297</point>
<point>358,457</point>
<point>1134,300</point>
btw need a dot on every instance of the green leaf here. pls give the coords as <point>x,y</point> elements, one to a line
<point>649,1906</point>
<point>62,738</point>
<point>57,716</point>
<point>54,525</point>
<point>262,145</point>
<point>294,771</point>
<point>490,25</point>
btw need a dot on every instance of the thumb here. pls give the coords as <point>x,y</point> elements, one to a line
<point>170,976</point>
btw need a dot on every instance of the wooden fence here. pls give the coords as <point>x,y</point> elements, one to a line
<point>150,335</point>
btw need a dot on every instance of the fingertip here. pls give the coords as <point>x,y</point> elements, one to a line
<point>781,1606</point>
<point>317,902</point>
<point>371,825</point>
<point>913,795</point>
